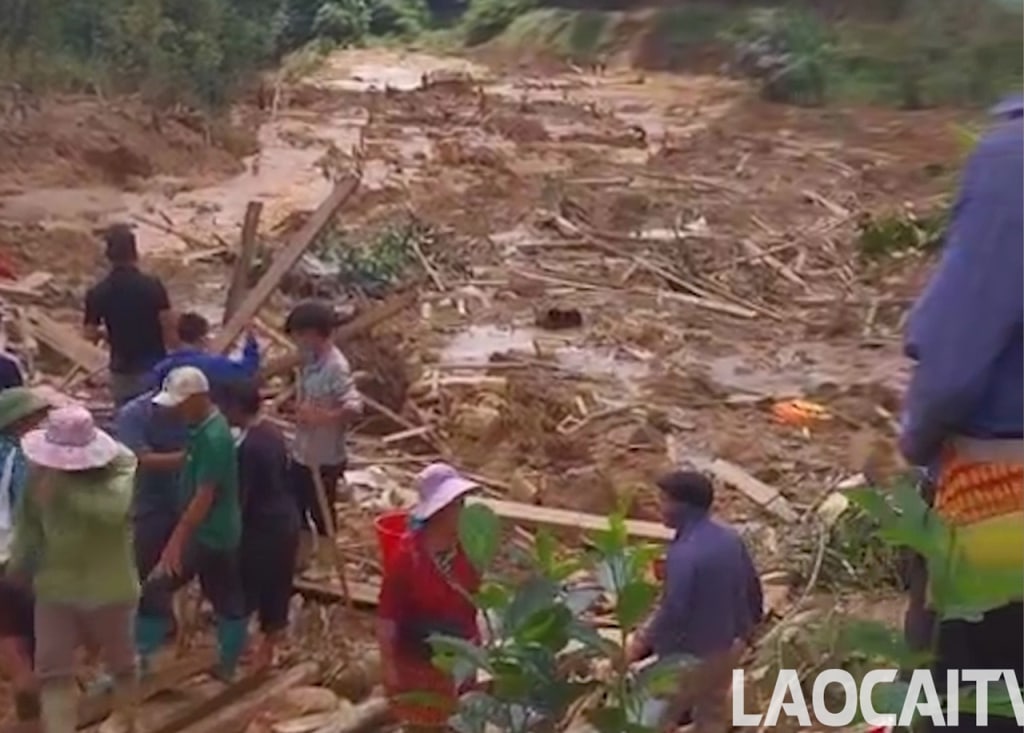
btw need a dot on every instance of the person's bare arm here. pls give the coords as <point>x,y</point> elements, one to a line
<point>195,513</point>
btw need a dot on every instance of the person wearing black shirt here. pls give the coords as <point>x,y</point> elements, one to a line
<point>131,309</point>
<point>270,515</point>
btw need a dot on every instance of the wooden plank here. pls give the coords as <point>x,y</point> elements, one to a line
<point>548,516</point>
<point>362,323</point>
<point>94,709</point>
<point>64,340</point>
<point>246,252</point>
<point>364,595</point>
<point>234,716</point>
<point>26,288</point>
<point>283,262</point>
<point>765,496</point>
<point>196,715</point>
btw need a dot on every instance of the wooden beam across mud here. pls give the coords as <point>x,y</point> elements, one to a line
<point>284,261</point>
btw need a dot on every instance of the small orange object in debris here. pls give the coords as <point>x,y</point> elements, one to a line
<point>799,412</point>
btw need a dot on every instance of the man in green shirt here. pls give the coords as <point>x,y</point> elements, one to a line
<point>206,539</point>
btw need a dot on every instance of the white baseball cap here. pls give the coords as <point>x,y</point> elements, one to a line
<point>181,383</point>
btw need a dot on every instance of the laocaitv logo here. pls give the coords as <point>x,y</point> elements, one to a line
<point>838,699</point>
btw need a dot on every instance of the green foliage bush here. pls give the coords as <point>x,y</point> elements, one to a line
<point>917,53</point>
<point>485,19</point>
<point>342,21</point>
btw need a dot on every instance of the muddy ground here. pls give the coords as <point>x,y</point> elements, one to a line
<point>706,238</point>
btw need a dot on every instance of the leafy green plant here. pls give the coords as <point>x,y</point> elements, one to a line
<point>485,19</point>
<point>958,590</point>
<point>538,647</point>
<point>901,233</point>
<point>342,21</point>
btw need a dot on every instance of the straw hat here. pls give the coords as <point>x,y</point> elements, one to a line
<point>70,442</point>
<point>438,485</point>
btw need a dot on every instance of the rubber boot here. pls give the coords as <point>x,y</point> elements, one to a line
<point>59,711</point>
<point>150,635</point>
<point>231,635</point>
<point>122,717</point>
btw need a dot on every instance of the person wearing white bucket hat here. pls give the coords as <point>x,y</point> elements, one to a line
<point>427,589</point>
<point>73,539</point>
<point>205,541</point>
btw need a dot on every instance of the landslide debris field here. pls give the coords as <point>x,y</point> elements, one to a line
<point>595,275</point>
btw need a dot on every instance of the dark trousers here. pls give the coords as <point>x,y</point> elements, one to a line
<point>151,534</point>
<point>219,578</point>
<point>995,642</point>
<point>126,386</point>
<point>268,564</point>
<point>17,609</point>
<point>305,494</point>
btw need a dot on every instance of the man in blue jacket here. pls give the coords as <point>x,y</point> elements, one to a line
<point>711,604</point>
<point>193,333</point>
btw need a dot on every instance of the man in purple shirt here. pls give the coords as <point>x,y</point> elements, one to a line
<point>964,411</point>
<point>711,603</point>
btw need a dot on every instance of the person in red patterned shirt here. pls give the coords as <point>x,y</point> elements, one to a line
<point>427,589</point>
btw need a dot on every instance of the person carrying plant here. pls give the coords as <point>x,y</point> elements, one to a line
<point>270,516</point>
<point>21,410</point>
<point>710,606</point>
<point>206,538</point>
<point>964,408</point>
<point>427,589</point>
<point>327,402</point>
<point>72,541</point>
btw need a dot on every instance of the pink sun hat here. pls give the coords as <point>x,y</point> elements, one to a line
<point>438,485</point>
<point>70,441</point>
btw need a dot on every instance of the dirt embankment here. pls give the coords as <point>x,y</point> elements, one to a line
<point>80,141</point>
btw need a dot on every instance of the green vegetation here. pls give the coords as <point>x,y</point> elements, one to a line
<point>541,654</point>
<point>192,51</point>
<point>911,53</point>
<point>539,651</point>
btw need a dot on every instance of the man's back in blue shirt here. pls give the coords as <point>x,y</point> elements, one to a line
<point>712,595</point>
<point>148,429</point>
<point>219,370</point>
<point>965,332</point>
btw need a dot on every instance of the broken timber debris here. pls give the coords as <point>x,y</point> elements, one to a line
<point>362,323</point>
<point>248,701</point>
<point>246,252</point>
<point>765,496</point>
<point>283,262</point>
<point>63,339</point>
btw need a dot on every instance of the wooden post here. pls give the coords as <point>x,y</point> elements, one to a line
<point>246,251</point>
<point>283,262</point>
<point>330,519</point>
